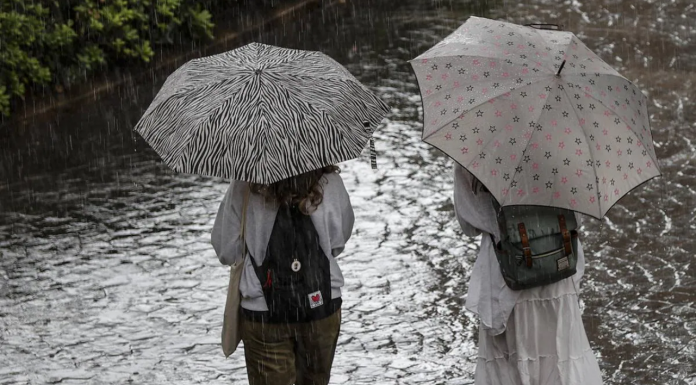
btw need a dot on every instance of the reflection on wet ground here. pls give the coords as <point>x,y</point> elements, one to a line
<point>107,274</point>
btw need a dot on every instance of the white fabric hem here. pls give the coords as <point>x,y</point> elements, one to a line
<point>559,297</point>
<point>508,359</point>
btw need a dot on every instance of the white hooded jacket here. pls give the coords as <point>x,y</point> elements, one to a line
<point>333,220</point>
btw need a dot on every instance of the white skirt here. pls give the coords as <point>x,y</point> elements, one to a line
<point>544,343</point>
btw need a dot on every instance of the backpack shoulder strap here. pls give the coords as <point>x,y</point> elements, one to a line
<point>244,214</point>
<point>565,233</point>
<point>498,213</point>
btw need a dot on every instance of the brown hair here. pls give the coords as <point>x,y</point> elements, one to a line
<point>303,190</point>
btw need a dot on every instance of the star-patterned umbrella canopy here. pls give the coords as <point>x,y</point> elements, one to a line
<point>536,116</point>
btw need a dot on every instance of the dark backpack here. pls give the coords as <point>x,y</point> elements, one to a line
<point>295,274</point>
<point>538,245</point>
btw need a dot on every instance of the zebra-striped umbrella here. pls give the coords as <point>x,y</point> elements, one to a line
<point>260,114</point>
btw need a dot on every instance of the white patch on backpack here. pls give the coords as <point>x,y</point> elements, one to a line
<point>315,299</point>
<point>563,263</point>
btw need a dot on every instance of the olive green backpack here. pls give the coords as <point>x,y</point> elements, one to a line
<point>538,245</point>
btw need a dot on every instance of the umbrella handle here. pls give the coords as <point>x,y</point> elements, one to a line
<point>551,27</point>
<point>373,153</point>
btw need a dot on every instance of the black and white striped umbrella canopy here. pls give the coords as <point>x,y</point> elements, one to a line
<point>260,114</point>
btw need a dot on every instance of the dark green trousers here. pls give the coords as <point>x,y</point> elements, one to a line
<point>287,354</point>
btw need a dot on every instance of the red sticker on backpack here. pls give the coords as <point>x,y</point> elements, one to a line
<point>315,299</point>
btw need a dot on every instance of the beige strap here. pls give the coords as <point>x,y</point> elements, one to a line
<point>244,212</point>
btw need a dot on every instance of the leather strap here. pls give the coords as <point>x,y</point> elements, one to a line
<point>525,243</point>
<point>566,234</point>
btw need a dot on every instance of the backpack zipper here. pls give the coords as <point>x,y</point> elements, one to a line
<point>547,253</point>
<point>520,258</point>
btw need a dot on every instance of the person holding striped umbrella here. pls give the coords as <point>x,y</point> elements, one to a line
<point>276,121</point>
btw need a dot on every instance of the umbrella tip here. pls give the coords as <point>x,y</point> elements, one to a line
<point>258,72</point>
<point>560,69</point>
<point>366,124</point>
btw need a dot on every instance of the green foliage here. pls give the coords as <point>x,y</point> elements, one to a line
<point>25,37</point>
<point>59,42</point>
<point>199,22</point>
<point>4,101</point>
<point>91,57</point>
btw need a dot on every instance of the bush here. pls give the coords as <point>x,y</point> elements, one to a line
<point>61,42</point>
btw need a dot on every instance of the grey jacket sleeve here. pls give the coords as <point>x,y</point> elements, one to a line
<point>340,214</point>
<point>226,234</point>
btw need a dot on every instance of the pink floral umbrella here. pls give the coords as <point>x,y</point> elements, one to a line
<point>536,116</point>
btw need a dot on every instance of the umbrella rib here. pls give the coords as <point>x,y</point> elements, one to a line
<point>472,107</point>
<point>198,86</point>
<point>328,79</point>
<point>309,103</point>
<point>607,107</point>
<point>194,127</point>
<point>319,76</point>
<point>569,74</point>
<point>588,58</point>
<point>334,75</point>
<point>587,135</point>
<point>548,63</point>
<point>528,141</point>
<point>536,78</point>
<point>573,72</point>
<point>516,60</point>
<point>197,127</point>
<point>303,55</point>
<point>628,192</point>
<point>239,70</point>
<point>618,116</point>
<point>339,126</point>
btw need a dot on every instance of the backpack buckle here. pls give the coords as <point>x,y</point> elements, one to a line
<point>527,255</point>
<point>526,249</point>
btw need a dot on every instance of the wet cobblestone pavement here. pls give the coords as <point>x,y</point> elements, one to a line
<point>107,275</point>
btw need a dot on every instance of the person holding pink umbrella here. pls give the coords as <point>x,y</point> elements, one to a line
<point>541,128</point>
